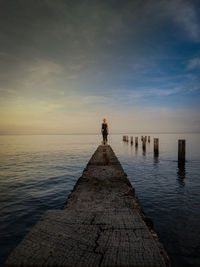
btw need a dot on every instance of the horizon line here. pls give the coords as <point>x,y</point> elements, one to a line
<point>122,133</point>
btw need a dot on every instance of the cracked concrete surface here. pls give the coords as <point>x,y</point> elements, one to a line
<point>101,224</point>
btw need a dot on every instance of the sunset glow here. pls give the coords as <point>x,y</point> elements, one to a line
<point>65,65</point>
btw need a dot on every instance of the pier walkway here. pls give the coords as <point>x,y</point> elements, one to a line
<point>101,224</point>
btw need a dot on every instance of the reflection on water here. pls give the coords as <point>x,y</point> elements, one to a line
<point>136,150</point>
<point>144,150</point>
<point>181,173</point>
<point>37,173</point>
<point>155,160</point>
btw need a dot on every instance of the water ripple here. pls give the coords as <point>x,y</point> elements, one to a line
<point>37,173</point>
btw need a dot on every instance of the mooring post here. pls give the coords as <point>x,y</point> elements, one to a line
<point>141,138</point>
<point>127,138</point>
<point>149,139</point>
<point>131,140</point>
<point>156,147</point>
<point>136,141</point>
<point>144,144</point>
<point>181,150</point>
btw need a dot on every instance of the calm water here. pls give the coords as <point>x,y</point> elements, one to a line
<point>37,173</point>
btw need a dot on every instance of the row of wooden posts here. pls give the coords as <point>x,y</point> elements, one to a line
<point>144,139</point>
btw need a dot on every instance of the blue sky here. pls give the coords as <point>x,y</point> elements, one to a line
<point>65,65</point>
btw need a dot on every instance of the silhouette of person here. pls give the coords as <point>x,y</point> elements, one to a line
<point>104,131</point>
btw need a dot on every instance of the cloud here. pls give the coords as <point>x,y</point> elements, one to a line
<point>185,15</point>
<point>182,13</point>
<point>194,63</point>
<point>41,73</point>
<point>91,58</point>
<point>31,76</point>
<point>143,96</point>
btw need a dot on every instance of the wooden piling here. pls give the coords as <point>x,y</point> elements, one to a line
<point>131,140</point>
<point>136,141</point>
<point>149,139</point>
<point>101,224</point>
<point>181,150</point>
<point>156,147</point>
<point>141,138</point>
<point>127,139</point>
<point>144,144</point>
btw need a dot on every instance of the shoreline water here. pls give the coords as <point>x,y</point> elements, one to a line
<point>102,203</point>
<point>37,173</point>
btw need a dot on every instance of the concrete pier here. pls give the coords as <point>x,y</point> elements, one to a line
<point>101,224</point>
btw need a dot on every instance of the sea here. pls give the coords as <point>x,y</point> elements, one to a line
<point>38,172</point>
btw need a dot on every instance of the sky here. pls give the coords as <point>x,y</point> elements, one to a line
<point>65,65</point>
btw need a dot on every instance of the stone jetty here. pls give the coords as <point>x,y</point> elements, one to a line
<point>101,224</point>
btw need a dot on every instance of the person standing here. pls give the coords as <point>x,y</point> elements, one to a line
<point>104,131</point>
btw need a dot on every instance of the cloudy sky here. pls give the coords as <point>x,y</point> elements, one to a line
<point>66,64</point>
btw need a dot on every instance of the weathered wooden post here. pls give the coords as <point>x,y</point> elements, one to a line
<point>127,138</point>
<point>181,150</point>
<point>136,141</point>
<point>145,138</point>
<point>181,172</point>
<point>144,144</point>
<point>142,138</point>
<point>149,139</point>
<point>131,140</point>
<point>156,147</point>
